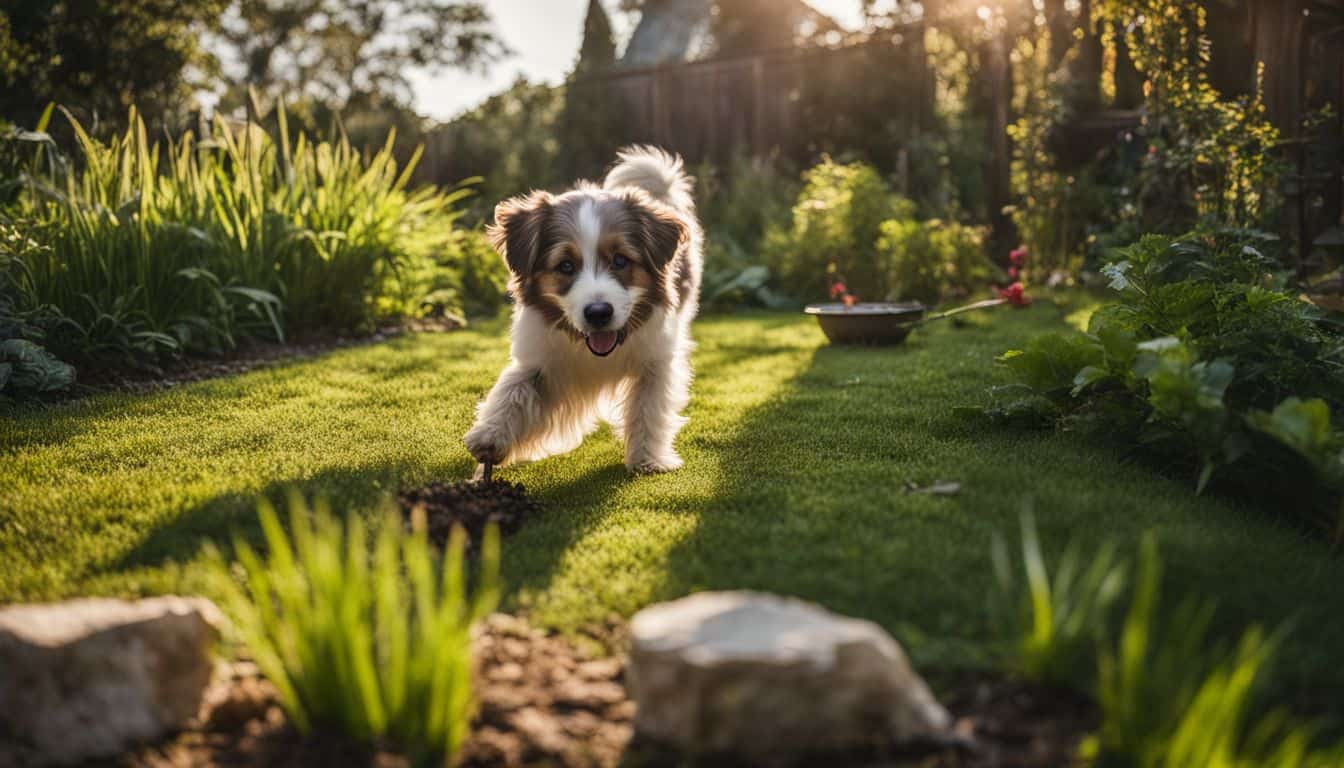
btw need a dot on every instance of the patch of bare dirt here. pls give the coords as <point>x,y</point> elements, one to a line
<point>472,504</point>
<point>549,701</point>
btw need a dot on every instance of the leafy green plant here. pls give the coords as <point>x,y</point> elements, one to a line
<point>929,261</point>
<point>835,225</point>
<point>27,369</point>
<point>1206,360</point>
<point>376,645</point>
<point>1052,622</point>
<point>1171,698</point>
<point>848,227</point>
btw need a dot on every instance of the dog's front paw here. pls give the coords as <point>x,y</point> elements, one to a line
<point>487,444</point>
<point>649,465</point>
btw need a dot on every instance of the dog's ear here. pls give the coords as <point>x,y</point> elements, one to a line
<point>659,229</point>
<point>516,233</point>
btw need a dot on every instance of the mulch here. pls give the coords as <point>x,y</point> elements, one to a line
<point>546,700</point>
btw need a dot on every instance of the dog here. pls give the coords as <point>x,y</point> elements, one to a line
<point>606,282</point>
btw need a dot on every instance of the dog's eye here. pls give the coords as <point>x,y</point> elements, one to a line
<point>619,261</point>
<point>565,267</point>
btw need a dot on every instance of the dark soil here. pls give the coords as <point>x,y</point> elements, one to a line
<point>550,701</point>
<point>472,504</point>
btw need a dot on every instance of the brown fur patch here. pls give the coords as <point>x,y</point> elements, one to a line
<point>537,232</point>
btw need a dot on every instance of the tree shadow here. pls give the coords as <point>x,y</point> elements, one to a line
<point>813,503</point>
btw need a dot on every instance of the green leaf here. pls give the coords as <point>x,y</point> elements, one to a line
<point>1303,425</point>
<point>1050,362</point>
<point>1087,377</point>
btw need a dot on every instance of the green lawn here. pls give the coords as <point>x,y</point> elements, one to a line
<point>797,455</point>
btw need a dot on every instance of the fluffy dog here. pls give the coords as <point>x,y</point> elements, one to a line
<point>606,281</point>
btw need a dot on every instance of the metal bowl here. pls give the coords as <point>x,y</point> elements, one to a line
<point>868,322</point>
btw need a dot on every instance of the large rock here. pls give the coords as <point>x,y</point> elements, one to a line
<point>758,674</point>
<point>89,678</point>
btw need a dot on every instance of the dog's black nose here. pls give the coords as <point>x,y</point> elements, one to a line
<point>598,314</point>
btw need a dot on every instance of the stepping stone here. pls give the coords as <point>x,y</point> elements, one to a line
<point>759,675</point>
<point>90,678</point>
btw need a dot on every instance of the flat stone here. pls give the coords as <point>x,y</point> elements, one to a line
<point>90,678</point>
<point>759,674</point>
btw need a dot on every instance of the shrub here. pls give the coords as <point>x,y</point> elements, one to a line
<point>465,279</point>
<point>1204,360</point>
<point>1052,623</point>
<point>847,226</point>
<point>189,245</point>
<point>835,225</point>
<point>929,261</point>
<point>377,646</point>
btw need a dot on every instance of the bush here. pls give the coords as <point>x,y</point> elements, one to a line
<point>1206,360</point>
<point>190,245</point>
<point>847,225</point>
<point>928,261</point>
<point>466,279</point>
<point>377,647</point>
<point>835,225</point>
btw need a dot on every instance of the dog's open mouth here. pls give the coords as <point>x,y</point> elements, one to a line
<point>603,343</point>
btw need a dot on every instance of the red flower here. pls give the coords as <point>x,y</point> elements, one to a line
<point>838,289</point>
<point>1015,295</point>
<point>1012,272</point>
<point>1018,257</point>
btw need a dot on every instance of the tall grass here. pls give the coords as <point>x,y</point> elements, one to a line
<point>1170,695</point>
<point>1052,621</point>
<point>190,243</point>
<point>375,644</point>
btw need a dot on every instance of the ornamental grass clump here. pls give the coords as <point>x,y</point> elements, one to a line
<point>1172,697</point>
<point>1052,621</point>
<point>144,247</point>
<point>374,643</point>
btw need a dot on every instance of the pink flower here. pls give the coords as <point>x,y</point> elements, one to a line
<point>1012,272</point>
<point>1016,295</point>
<point>838,289</point>
<point>1018,256</point>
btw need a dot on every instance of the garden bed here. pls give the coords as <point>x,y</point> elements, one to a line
<point>249,356</point>
<point>550,701</point>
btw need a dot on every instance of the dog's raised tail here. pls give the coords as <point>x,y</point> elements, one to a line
<point>655,171</point>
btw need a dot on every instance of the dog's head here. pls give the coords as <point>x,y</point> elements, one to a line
<point>595,263</point>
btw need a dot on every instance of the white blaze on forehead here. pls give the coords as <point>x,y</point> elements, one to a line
<point>589,227</point>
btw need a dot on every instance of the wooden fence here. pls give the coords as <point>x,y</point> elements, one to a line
<point>795,102</point>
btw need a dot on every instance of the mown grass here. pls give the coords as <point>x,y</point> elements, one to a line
<point>797,459</point>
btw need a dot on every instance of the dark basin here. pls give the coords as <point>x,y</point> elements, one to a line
<point>867,322</point>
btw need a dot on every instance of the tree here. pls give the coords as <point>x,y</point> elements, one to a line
<point>588,128</point>
<point>99,57</point>
<point>344,51</point>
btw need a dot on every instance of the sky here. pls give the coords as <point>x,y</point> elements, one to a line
<point>545,37</point>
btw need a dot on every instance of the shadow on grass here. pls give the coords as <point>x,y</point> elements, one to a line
<point>813,503</point>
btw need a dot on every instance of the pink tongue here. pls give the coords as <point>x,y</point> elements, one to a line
<point>602,343</point>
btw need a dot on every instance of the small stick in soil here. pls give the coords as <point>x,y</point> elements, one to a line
<point>487,472</point>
